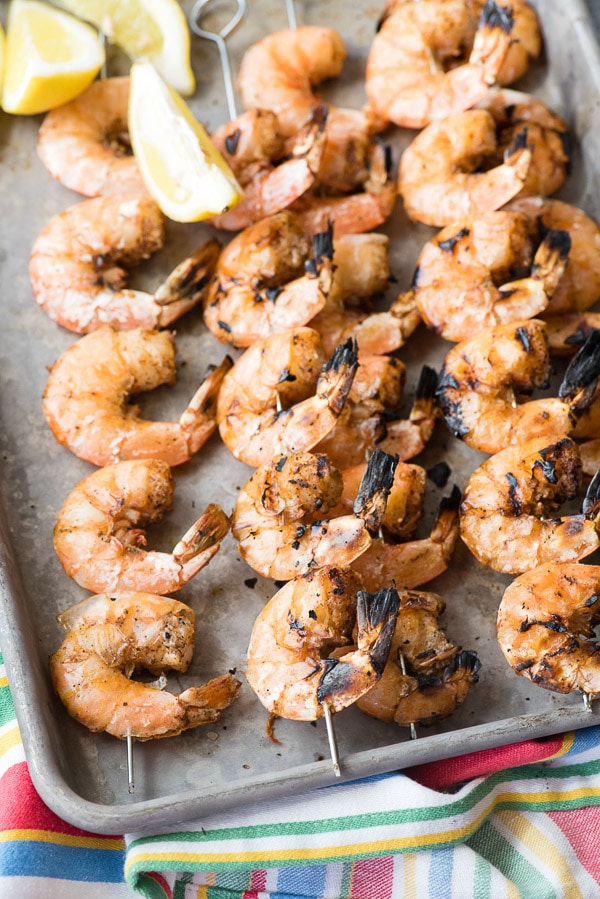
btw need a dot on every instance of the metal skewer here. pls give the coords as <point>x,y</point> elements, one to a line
<point>130,781</point>
<point>291,14</point>
<point>332,740</point>
<point>413,729</point>
<point>219,39</point>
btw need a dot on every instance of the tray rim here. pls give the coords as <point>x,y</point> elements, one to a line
<point>167,811</point>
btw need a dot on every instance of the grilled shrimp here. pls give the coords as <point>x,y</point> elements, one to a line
<point>290,667</point>
<point>429,60</point>
<point>279,73</point>
<point>280,522</point>
<point>464,276</point>
<point>442,177</point>
<point>272,172</point>
<point>579,287</point>
<point>426,676</point>
<point>76,274</point>
<point>282,395</point>
<point>509,505</point>
<point>86,399</point>
<point>108,638</point>
<point>411,562</point>
<point>484,380</point>
<point>361,273</point>
<point>524,120</point>
<point>265,282</point>
<point>85,143</point>
<point>371,416</point>
<point>369,205</point>
<point>99,532</point>
<point>546,623</point>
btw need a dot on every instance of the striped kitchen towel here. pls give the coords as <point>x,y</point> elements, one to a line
<point>518,821</point>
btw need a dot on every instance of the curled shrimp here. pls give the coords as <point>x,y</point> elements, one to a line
<point>371,417</point>
<point>265,281</point>
<point>411,562</point>
<point>508,511</point>
<point>272,173</point>
<point>361,273</point>
<point>442,176</point>
<point>579,287</point>
<point>283,395</point>
<point>464,276</point>
<point>279,73</point>
<point>361,210</point>
<point>417,68</point>
<point>86,399</point>
<point>99,532</point>
<point>290,666</point>
<point>546,623</point>
<point>484,379</point>
<point>85,143</point>
<point>426,676</point>
<point>76,274</point>
<point>279,519</point>
<point>523,120</point>
<point>108,638</point>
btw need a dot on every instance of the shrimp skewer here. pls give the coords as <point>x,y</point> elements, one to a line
<point>508,510</point>
<point>75,266</point>
<point>426,676</point>
<point>463,284</point>
<point>264,281</point>
<point>279,518</point>
<point>407,81</point>
<point>483,378</point>
<point>283,396</point>
<point>108,638</point>
<point>546,622</point>
<point>290,666</point>
<point>85,400</point>
<point>99,532</point>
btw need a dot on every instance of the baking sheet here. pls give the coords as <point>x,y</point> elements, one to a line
<point>82,776</point>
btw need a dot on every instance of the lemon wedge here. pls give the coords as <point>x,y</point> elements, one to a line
<point>182,169</point>
<point>153,30</point>
<point>50,57</point>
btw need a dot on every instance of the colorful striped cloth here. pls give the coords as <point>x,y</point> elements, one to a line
<point>519,821</point>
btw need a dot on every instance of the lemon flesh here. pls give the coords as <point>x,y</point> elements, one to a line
<point>182,169</point>
<point>50,57</point>
<point>152,30</point>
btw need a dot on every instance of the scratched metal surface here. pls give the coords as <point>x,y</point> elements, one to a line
<point>82,775</point>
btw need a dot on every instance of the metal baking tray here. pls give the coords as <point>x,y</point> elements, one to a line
<point>81,775</point>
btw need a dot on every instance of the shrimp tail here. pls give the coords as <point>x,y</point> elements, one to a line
<point>199,420</point>
<point>185,286</point>
<point>376,620</point>
<point>466,662</point>
<point>322,249</point>
<point>204,704</point>
<point>492,38</point>
<point>591,501</point>
<point>338,374</point>
<point>200,543</point>
<point>580,380</point>
<point>374,490</point>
